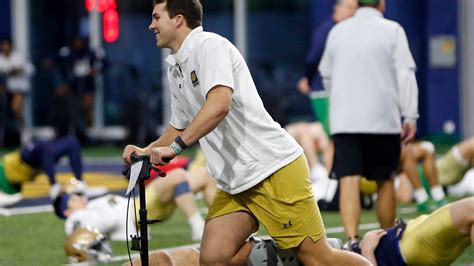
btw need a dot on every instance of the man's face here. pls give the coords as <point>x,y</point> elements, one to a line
<point>346,9</point>
<point>76,202</point>
<point>162,26</point>
<point>5,47</point>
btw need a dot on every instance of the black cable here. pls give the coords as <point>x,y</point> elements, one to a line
<point>126,229</point>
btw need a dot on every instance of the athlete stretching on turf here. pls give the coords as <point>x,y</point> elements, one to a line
<point>163,195</point>
<point>25,164</point>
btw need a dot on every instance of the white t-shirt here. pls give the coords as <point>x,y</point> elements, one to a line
<point>107,214</point>
<point>247,146</point>
<point>370,72</point>
<point>19,82</point>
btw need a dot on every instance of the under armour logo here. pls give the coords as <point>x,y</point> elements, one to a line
<point>286,225</point>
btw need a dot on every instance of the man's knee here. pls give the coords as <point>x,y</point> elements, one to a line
<point>350,183</point>
<point>386,184</point>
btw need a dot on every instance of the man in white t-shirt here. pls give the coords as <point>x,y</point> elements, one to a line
<point>262,174</point>
<point>370,74</point>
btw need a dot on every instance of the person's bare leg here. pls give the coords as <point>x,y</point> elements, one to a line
<point>386,203</point>
<point>466,148</point>
<point>329,155</point>
<point>404,192</point>
<point>349,204</point>
<point>411,153</point>
<point>161,257</point>
<point>164,187</point>
<point>320,253</point>
<point>462,215</point>
<point>223,242</point>
<point>187,204</point>
<point>165,190</point>
<point>301,133</point>
<point>409,164</point>
<point>430,170</point>
<point>323,145</point>
<point>200,180</point>
<point>185,257</point>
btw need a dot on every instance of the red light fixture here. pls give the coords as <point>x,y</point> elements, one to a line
<point>110,18</point>
<point>111,25</point>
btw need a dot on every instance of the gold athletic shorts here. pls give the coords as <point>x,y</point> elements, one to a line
<point>450,171</point>
<point>157,210</point>
<point>433,239</point>
<point>17,171</point>
<point>283,203</point>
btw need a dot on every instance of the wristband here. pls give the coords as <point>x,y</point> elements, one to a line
<point>176,148</point>
<point>181,143</point>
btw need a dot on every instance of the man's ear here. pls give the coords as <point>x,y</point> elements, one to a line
<point>180,21</point>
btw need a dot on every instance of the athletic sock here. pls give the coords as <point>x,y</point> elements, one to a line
<point>420,195</point>
<point>197,226</point>
<point>437,193</point>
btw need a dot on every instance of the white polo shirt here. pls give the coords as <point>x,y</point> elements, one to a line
<point>247,146</point>
<point>370,71</point>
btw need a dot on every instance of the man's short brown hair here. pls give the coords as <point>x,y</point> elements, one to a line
<point>190,9</point>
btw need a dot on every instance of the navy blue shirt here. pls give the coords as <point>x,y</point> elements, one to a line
<point>318,43</point>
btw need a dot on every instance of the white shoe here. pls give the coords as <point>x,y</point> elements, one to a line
<point>9,199</point>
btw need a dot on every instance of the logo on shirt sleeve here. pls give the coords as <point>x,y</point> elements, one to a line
<point>194,78</point>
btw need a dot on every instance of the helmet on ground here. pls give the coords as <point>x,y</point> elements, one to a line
<point>265,252</point>
<point>87,244</point>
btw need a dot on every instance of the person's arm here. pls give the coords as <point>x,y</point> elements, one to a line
<point>325,66</point>
<point>316,52</point>
<point>407,87</point>
<point>408,96</point>
<point>369,243</point>
<point>214,110</point>
<point>177,124</point>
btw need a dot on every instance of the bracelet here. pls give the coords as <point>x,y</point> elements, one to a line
<point>181,143</point>
<point>176,148</point>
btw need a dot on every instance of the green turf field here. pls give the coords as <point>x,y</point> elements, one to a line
<point>37,239</point>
